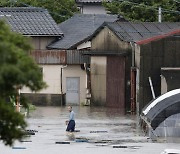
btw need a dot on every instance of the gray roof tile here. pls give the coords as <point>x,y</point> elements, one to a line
<point>79,28</point>
<point>129,31</point>
<point>30,21</point>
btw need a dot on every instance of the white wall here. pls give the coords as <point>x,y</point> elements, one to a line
<point>84,45</point>
<point>93,9</point>
<point>40,43</point>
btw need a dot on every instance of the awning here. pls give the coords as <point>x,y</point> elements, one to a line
<point>161,108</point>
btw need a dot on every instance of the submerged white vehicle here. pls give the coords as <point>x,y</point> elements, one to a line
<point>171,151</point>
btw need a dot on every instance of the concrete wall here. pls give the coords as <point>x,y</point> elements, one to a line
<point>98,80</point>
<point>149,60</point>
<point>40,43</point>
<point>93,9</point>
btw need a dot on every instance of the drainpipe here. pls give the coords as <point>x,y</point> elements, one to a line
<point>133,80</point>
<point>61,78</point>
<point>88,92</point>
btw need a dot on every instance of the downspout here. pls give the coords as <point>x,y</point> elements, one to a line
<point>61,87</point>
<point>133,80</point>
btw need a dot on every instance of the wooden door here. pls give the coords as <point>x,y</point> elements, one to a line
<point>115,93</point>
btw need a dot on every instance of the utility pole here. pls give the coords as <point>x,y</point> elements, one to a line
<point>159,15</point>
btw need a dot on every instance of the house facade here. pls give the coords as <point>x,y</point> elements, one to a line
<point>61,69</point>
<point>77,30</point>
<point>91,6</point>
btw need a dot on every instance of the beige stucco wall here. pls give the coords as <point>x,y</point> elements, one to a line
<point>98,80</point>
<point>75,71</point>
<point>51,75</point>
<point>40,43</point>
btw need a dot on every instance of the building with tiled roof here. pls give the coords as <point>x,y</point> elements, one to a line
<point>91,6</point>
<point>39,26</point>
<point>30,21</point>
<point>79,28</point>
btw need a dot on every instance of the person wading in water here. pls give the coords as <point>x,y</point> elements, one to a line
<point>71,122</point>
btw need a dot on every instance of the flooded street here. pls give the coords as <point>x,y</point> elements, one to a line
<point>102,131</point>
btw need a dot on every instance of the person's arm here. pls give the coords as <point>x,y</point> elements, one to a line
<point>66,122</point>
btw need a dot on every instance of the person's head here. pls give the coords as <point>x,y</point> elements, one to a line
<point>69,108</point>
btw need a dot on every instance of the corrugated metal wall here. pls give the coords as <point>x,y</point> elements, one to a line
<point>115,94</point>
<point>49,56</point>
<point>153,56</point>
<point>62,57</point>
<point>77,57</point>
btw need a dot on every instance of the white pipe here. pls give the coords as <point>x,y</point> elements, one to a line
<point>152,89</point>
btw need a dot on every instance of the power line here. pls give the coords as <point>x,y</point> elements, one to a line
<point>151,7</point>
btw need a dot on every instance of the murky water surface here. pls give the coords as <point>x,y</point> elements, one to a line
<point>102,131</point>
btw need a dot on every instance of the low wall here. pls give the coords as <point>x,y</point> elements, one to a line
<point>45,99</point>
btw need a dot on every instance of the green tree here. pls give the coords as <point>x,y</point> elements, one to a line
<point>60,10</point>
<point>145,10</point>
<point>17,69</point>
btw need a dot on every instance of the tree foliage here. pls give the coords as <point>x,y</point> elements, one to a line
<point>145,10</point>
<point>17,69</point>
<point>60,10</point>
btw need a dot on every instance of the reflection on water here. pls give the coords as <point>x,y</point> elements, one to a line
<point>169,129</point>
<point>71,136</point>
<point>113,121</point>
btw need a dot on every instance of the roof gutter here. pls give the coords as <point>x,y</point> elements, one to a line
<point>145,41</point>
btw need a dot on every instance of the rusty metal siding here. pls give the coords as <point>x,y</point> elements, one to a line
<point>69,57</point>
<point>49,56</point>
<point>115,94</point>
<point>77,57</point>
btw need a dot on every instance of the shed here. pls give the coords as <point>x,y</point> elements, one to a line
<point>149,46</point>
